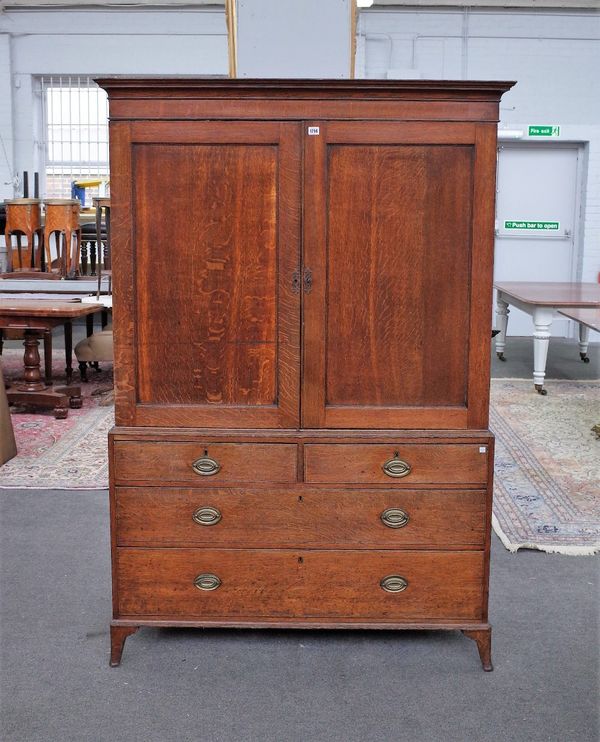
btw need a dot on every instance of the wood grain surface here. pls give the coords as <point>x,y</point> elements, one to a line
<point>172,462</point>
<point>272,583</point>
<point>299,517</point>
<point>430,464</point>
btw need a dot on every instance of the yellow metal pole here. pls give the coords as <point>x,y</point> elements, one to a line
<point>231,17</point>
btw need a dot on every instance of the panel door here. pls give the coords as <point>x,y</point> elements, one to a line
<point>537,190</point>
<point>397,317</point>
<point>210,335</point>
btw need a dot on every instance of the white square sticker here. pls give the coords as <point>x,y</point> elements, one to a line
<point>313,131</point>
<point>482,449</point>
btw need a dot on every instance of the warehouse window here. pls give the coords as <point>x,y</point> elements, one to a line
<point>75,126</point>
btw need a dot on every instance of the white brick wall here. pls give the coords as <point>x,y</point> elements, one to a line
<point>553,54</point>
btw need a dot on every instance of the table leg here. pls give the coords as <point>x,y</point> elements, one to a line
<point>502,312</point>
<point>32,389</point>
<point>542,319</point>
<point>69,350</point>
<point>584,339</point>
<point>89,325</point>
<point>48,357</point>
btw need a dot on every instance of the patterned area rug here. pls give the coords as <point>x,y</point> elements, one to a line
<point>60,454</point>
<point>547,482</point>
<point>547,479</point>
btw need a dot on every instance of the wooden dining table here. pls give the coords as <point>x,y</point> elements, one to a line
<point>542,300</point>
<point>35,319</point>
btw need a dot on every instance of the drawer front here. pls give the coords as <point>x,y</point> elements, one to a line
<point>204,464</point>
<point>299,517</point>
<point>210,583</point>
<point>396,465</point>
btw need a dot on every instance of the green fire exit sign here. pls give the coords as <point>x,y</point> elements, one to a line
<point>547,130</point>
<point>532,224</point>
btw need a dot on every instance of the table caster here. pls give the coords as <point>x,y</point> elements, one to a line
<point>540,390</point>
<point>60,413</point>
<point>76,403</point>
<point>584,357</point>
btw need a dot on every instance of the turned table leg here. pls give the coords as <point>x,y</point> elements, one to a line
<point>483,639</point>
<point>48,357</point>
<point>69,350</point>
<point>32,389</point>
<point>542,319</point>
<point>502,312</point>
<point>118,634</point>
<point>584,339</point>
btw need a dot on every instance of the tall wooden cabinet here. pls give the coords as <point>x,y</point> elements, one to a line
<point>302,301</point>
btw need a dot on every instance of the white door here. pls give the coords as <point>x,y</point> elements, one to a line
<point>536,220</point>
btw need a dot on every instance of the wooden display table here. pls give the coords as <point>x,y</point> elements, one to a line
<point>541,300</point>
<point>35,319</point>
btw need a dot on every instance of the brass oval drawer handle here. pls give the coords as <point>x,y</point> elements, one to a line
<point>393,584</point>
<point>207,582</point>
<point>396,467</point>
<point>394,518</point>
<point>205,466</point>
<point>207,516</point>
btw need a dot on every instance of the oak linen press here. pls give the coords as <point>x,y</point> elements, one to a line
<point>302,311</point>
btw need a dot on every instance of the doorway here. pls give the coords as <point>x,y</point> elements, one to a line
<point>537,212</point>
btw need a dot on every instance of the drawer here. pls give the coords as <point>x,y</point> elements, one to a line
<point>299,517</point>
<point>302,584</point>
<point>204,464</point>
<point>405,464</point>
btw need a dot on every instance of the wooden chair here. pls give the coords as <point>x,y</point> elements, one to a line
<point>104,260</point>
<point>62,221</point>
<point>26,256</point>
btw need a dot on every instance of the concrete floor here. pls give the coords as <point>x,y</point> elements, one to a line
<point>243,686</point>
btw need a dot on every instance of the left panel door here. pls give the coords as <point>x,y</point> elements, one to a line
<point>206,246</point>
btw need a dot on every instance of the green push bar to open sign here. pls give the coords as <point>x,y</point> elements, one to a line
<point>526,224</point>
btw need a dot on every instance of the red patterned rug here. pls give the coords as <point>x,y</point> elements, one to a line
<point>60,454</point>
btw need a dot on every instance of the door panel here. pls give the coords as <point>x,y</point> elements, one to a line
<point>216,241</point>
<point>388,237</point>
<point>390,293</point>
<point>537,183</point>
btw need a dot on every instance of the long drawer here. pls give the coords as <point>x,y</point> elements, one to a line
<point>396,465</point>
<point>204,464</point>
<point>196,583</point>
<point>299,517</point>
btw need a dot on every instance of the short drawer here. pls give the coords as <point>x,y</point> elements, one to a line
<point>396,465</point>
<point>300,517</point>
<point>204,464</point>
<point>270,583</point>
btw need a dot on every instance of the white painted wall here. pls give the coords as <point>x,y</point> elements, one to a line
<point>293,38</point>
<point>553,53</point>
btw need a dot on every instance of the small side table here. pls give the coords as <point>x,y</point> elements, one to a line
<point>34,319</point>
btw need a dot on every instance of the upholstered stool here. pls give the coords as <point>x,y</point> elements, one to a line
<point>62,221</point>
<point>93,350</point>
<point>24,222</point>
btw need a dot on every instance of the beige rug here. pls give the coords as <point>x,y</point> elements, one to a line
<point>547,473</point>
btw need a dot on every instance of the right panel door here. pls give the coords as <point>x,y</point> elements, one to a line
<point>398,242</point>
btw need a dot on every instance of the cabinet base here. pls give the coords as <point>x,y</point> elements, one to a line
<point>480,633</point>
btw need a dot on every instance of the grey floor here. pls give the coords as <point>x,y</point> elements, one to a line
<point>242,686</point>
<point>275,685</point>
